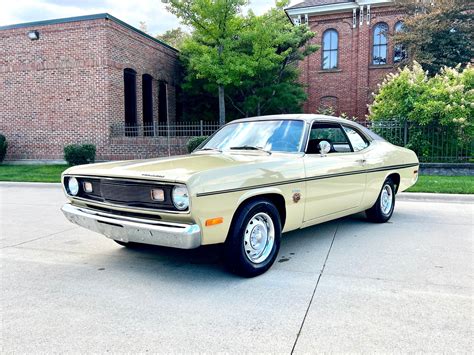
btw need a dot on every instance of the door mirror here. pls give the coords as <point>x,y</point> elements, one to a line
<point>324,147</point>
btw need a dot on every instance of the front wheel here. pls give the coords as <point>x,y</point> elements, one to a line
<point>254,239</point>
<point>382,210</point>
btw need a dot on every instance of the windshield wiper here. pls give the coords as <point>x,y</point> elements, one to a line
<point>210,148</point>
<point>251,147</point>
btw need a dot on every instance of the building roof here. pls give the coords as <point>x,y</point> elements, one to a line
<point>104,16</point>
<point>311,3</point>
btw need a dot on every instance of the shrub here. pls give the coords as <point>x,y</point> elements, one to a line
<point>194,142</point>
<point>77,154</point>
<point>439,110</point>
<point>3,147</point>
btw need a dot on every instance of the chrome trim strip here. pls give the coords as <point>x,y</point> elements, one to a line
<point>126,208</point>
<point>311,178</point>
<point>129,229</point>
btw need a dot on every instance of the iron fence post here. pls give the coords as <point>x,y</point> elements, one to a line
<point>405,133</point>
<point>201,128</point>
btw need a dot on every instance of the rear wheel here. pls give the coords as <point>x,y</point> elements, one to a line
<point>382,210</point>
<point>254,239</point>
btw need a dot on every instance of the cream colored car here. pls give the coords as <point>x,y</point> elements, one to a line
<point>251,181</point>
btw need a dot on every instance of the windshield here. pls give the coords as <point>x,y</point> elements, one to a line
<point>276,136</point>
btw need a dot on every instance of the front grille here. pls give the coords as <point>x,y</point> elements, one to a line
<point>126,192</point>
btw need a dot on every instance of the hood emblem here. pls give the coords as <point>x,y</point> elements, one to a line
<point>296,197</point>
<point>154,175</point>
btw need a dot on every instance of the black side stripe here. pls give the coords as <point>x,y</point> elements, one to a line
<point>311,178</point>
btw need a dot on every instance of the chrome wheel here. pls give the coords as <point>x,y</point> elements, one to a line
<point>386,199</point>
<point>259,238</point>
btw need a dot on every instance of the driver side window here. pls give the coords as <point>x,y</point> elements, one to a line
<point>331,133</point>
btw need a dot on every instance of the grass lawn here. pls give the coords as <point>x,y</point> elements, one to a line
<point>32,173</point>
<point>444,184</point>
<point>52,173</point>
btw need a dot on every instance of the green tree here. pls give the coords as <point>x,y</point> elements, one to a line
<point>437,33</point>
<point>254,67</point>
<point>211,53</point>
<point>272,47</point>
<point>174,37</point>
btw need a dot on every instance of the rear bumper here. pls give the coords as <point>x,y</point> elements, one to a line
<point>131,229</point>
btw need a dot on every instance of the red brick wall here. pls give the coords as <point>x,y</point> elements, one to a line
<point>351,85</point>
<point>67,87</point>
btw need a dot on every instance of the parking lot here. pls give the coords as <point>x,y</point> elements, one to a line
<point>343,286</point>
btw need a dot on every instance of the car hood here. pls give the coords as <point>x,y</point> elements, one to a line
<point>176,168</point>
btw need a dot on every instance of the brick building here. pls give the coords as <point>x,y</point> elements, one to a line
<point>355,54</point>
<point>71,80</point>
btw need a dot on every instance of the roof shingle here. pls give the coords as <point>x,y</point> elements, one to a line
<point>311,3</point>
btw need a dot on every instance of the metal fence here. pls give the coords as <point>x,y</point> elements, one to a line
<point>177,129</point>
<point>431,143</point>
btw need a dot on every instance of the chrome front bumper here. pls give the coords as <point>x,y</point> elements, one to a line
<point>131,229</point>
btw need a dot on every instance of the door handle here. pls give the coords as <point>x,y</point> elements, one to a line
<point>361,161</point>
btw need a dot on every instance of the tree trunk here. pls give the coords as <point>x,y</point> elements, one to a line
<point>258,108</point>
<point>221,106</point>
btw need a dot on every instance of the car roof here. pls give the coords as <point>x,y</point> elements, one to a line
<point>298,116</point>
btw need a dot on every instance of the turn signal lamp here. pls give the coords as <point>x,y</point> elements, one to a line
<point>157,195</point>
<point>87,186</point>
<point>214,221</point>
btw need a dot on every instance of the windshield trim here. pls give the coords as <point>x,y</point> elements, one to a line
<point>298,151</point>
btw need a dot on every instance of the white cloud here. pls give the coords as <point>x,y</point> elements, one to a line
<point>153,12</point>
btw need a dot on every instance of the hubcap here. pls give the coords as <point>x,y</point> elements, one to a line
<point>259,238</point>
<point>386,199</point>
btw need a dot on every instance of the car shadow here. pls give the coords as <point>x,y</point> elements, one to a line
<point>208,261</point>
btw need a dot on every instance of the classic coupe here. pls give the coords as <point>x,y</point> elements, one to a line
<point>248,183</point>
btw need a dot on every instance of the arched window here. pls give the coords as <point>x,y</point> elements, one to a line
<point>328,105</point>
<point>330,49</point>
<point>399,52</point>
<point>147,100</point>
<point>379,46</point>
<point>130,96</point>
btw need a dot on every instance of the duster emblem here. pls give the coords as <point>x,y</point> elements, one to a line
<point>296,197</point>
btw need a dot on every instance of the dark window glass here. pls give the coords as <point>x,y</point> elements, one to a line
<point>399,52</point>
<point>331,133</point>
<point>379,51</point>
<point>330,49</point>
<point>130,96</point>
<point>147,98</point>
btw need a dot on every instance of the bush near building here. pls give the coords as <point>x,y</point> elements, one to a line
<point>439,109</point>
<point>3,147</point>
<point>194,142</point>
<point>77,154</point>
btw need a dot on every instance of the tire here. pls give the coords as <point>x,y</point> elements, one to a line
<point>125,244</point>
<point>383,208</point>
<point>253,241</point>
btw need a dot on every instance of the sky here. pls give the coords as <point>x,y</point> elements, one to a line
<point>152,12</point>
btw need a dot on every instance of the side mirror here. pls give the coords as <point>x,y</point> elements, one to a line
<point>324,147</point>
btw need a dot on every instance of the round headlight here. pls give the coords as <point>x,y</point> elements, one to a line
<point>180,197</point>
<point>73,186</point>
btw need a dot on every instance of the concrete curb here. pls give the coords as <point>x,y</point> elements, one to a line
<point>431,197</point>
<point>29,184</point>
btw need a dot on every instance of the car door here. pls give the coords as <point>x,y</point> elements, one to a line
<point>335,181</point>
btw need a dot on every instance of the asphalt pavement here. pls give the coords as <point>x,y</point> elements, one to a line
<point>342,286</point>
